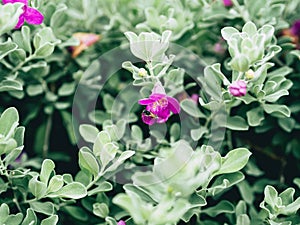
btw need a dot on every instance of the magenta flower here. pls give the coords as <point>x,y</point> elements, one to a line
<point>195,98</point>
<point>295,29</point>
<point>158,106</point>
<point>238,88</point>
<point>227,3</point>
<point>30,15</point>
<point>121,222</point>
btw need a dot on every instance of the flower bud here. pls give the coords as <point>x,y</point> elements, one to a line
<point>142,72</point>
<point>250,74</point>
<point>227,3</point>
<point>238,88</point>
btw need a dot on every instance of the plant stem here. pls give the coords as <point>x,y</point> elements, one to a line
<point>47,136</point>
<point>3,170</point>
<point>243,12</point>
<point>229,139</point>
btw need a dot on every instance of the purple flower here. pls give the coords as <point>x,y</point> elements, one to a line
<point>158,106</point>
<point>195,98</point>
<point>238,88</point>
<point>227,3</point>
<point>121,222</point>
<point>30,15</point>
<point>295,29</point>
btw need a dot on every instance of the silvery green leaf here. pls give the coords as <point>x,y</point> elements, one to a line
<point>52,220</point>
<point>88,132</point>
<point>73,190</point>
<point>46,208</point>
<point>9,16</point>
<point>46,170</point>
<point>234,160</point>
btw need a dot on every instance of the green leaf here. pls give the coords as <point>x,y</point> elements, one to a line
<point>240,63</point>
<point>108,102</point>
<point>44,51</point>
<point>297,182</point>
<point>255,116</point>
<point>110,221</point>
<point>196,134</point>
<point>17,56</point>
<point>276,95</point>
<point>37,188</point>
<point>225,181</point>
<point>103,187</point>
<point>270,196</point>
<point>236,123</point>
<point>19,135</point>
<point>46,170</point>
<point>108,153</point>
<point>243,220</point>
<point>66,89</point>
<point>191,108</point>
<point>227,32</point>
<point>88,162</point>
<point>33,90</point>
<point>102,138</point>
<point>30,218</point>
<point>22,39</point>
<point>246,192</point>
<point>55,183</point>
<point>14,219</point>
<point>77,212</point>
<point>46,208</point>
<point>73,190</point>
<point>9,16</point>
<point>291,208</point>
<point>241,208</point>
<point>287,196</point>
<point>6,48</point>
<point>250,29</point>
<point>100,209</point>
<point>88,132</point>
<point>44,42</point>
<point>59,17</point>
<point>222,207</point>
<point>125,155</point>
<point>4,213</point>
<point>12,156</point>
<point>234,160</point>
<point>275,110</point>
<point>11,85</point>
<point>9,120</point>
<point>136,133</point>
<point>287,124</point>
<point>52,220</point>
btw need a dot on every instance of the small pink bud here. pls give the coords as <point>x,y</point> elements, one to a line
<point>195,98</point>
<point>238,88</point>
<point>121,222</point>
<point>227,3</point>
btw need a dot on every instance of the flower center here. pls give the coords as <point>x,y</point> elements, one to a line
<point>160,104</point>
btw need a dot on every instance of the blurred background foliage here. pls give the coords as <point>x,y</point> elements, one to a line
<point>39,75</point>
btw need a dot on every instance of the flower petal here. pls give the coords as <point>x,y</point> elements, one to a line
<point>162,120</point>
<point>163,113</point>
<point>173,105</point>
<point>148,119</point>
<point>33,16</point>
<point>146,101</point>
<point>157,96</point>
<point>25,2</point>
<point>20,22</point>
<point>158,89</point>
